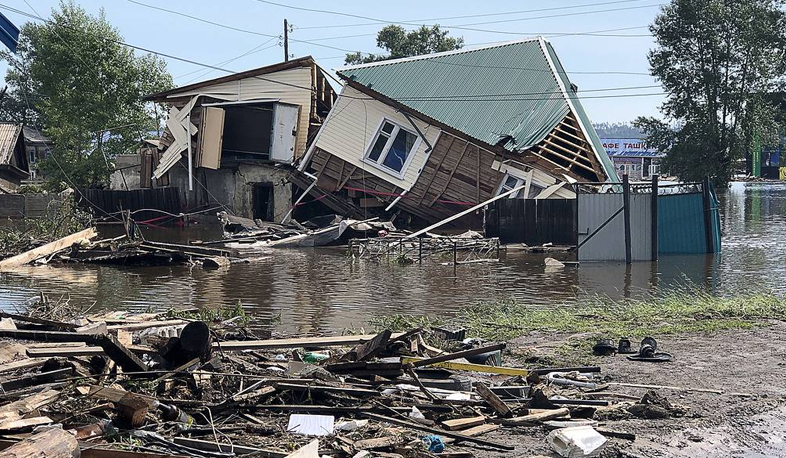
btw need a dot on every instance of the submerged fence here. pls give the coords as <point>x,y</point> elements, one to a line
<point>624,222</point>
<point>533,221</point>
<point>151,201</point>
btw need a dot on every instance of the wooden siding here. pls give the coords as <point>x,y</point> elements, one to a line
<point>352,125</point>
<point>289,86</point>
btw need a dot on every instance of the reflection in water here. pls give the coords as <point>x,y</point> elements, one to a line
<point>321,290</point>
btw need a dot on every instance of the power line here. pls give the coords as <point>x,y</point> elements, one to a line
<point>506,13</point>
<point>459,27</point>
<point>308,88</point>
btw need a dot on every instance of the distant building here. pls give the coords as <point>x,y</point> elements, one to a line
<point>633,157</point>
<point>14,164</point>
<point>37,147</point>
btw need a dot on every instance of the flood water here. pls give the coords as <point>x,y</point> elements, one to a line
<point>322,290</point>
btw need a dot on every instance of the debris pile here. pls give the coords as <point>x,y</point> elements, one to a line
<point>123,250</point>
<point>151,385</point>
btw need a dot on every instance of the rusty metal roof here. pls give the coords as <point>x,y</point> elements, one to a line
<point>9,134</point>
<point>508,94</point>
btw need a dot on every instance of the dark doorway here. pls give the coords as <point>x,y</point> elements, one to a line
<point>262,201</point>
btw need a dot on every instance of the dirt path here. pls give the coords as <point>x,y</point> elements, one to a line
<point>751,362</point>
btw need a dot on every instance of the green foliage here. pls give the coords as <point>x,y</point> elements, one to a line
<point>214,315</point>
<point>400,43</point>
<point>73,79</point>
<point>19,236</point>
<point>678,312</point>
<point>717,60</point>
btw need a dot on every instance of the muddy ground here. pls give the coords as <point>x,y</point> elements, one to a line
<point>748,420</point>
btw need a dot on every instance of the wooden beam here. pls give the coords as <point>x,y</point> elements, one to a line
<point>450,176</point>
<point>54,443</point>
<point>46,250</point>
<point>493,400</point>
<point>436,169</point>
<point>456,366</point>
<point>458,354</point>
<point>463,423</point>
<point>440,432</point>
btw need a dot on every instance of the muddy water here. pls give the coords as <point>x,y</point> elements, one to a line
<point>321,290</point>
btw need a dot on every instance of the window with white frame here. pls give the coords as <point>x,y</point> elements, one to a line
<point>510,183</point>
<point>392,146</point>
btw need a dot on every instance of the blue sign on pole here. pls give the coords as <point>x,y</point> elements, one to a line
<point>9,33</point>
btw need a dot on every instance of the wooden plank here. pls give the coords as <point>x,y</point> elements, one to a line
<point>458,354</point>
<point>368,350</point>
<point>211,138</point>
<point>473,367</point>
<point>463,423</point>
<point>54,443</point>
<point>146,324</point>
<point>334,341</point>
<point>46,250</point>
<point>378,442</point>
<point>35,320</point>
<point>22,364</point>
<point>351,391</point>
<point>25,424</point>
<point>537,417</point>
<point>120,354</point>
<point>493,400</point>
<point>481,429</point>
<point>36,379</point>
<point>441,432</point>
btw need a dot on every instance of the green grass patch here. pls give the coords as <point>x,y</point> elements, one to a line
<point>673,313</point>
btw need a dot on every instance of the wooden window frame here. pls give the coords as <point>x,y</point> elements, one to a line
<point>502,188</point>
<point>379,163</point>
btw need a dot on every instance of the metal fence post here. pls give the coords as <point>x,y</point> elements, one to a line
<point>654,217</point>
<point>626,216</point>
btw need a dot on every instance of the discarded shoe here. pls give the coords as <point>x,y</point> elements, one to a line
<point>624,348</point>
<point>648,352</point>
<point>604,347</point>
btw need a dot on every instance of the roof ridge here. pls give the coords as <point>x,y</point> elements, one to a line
<point>439,54</point>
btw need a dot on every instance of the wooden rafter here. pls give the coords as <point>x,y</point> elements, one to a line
<point>450,177</point>
<point>566,147</point>
<point>436,170</point>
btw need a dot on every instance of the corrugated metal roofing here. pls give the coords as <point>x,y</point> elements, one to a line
<point>487,93</point>
<point>9,133</point>
<point>502,91</point>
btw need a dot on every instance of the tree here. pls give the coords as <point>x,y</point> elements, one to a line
<point>400,43</point>
<point>717,60</point>
<point>73,79</point>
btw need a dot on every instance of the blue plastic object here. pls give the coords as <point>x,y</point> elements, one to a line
<point>434,444</point>
<point>9,33</point>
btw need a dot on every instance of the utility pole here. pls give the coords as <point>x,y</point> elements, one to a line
<point>286,41</point>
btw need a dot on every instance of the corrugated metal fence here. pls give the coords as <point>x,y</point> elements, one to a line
<point>533,221</point>
<point>607,243</point>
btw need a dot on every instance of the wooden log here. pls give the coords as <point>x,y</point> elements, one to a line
<point>458,354</point>
<point>55,443</point>
<point>45,250</point>
<point>133,409</point>
<point>536,417</point>
<point>463,423</point>
<point>493,400</point>
<point>441,432</point>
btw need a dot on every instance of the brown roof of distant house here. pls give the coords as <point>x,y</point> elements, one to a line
<point>299,62</point>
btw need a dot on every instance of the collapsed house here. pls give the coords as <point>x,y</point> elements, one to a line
<point>14,163</point>
<point>231,140</point>
<point>433,134</point>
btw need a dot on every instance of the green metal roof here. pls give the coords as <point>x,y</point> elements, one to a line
<point>505,93</point>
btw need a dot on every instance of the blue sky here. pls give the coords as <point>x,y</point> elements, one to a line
<point>583,56</point>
